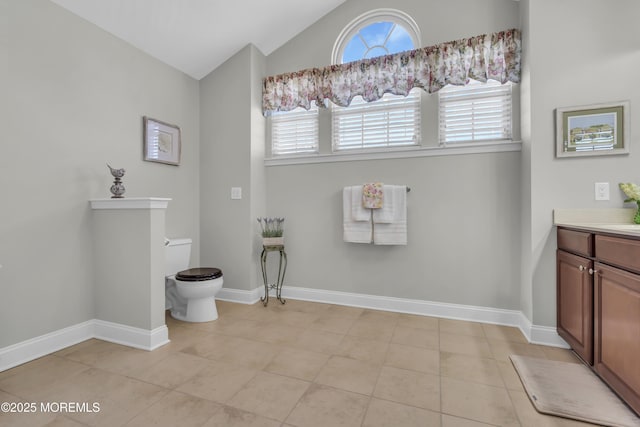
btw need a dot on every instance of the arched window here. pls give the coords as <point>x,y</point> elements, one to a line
<point>393,120</point>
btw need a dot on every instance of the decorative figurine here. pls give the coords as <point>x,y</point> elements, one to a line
<point>117,189</point>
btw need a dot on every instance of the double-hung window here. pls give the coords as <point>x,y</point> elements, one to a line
<point>294,132</point>
<point>476,112</point>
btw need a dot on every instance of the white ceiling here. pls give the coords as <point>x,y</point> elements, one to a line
<point>196,36</point>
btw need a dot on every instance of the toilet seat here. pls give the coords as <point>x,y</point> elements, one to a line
<point>199,274</point>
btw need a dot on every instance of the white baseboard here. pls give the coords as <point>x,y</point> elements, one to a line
<point>535,334</point>
<point>241,296</point>
<point>33,348</point>
<point>133,337</point>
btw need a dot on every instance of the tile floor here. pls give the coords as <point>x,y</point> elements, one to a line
<point>301,364</point>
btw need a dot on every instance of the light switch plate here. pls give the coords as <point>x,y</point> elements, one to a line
<point>602,190</point>
<point>236,193</point>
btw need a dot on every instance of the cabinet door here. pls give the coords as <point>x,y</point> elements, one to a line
<point>575,303</point>
<point>617,331</point>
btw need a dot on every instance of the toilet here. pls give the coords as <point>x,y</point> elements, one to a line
<point>189,292</point>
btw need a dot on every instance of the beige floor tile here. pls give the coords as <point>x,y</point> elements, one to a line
<point>280,334</point>
<point>343,311</point>
<point>319,341</point>
<point>218,381</point>
<point>378,330</point>
<point>478,402</point>
<point>120,399</point>
<point>234,417</point>
<point>183,336</point>
<point>451,421</point>
<point>409,388</point>
<point>503,333</point>
<point>465,344</point>
<point>469,368</point>
<point>16,416</point>
<point>501,350</point>
<point>413,358</point>
<point>362,349</point>
<point>418,322</point>
<point>380,315</point>
<point>299,319</point>
<point>560,354</point>
<point>172,371</point>
<point>253,354</point>
<point>302,364</point>
<point>211,346</point>
<point>325,406</point>
<point>425,338</point>
<point>333,323</point>
<point>461,327</point>
<point>231,326</point>
<point>509,375</point>
<point>269,395</point>
<point>529,417</point>
<point>382,413</point>
<point>176,409</point>
<point>349,374</point>
<point>37,379</point>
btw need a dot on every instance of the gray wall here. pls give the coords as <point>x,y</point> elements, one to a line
<point>72,99</point>
<point>232,155</point>
<point>567,66</point>
<point>463,211</point>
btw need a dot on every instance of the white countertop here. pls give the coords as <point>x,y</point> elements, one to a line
<point>616,221</point>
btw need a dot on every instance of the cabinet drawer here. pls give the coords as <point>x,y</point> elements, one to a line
<point>618,251</point>
<point>578,242</point>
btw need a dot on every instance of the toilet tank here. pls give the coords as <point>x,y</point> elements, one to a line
<point>177,254</point>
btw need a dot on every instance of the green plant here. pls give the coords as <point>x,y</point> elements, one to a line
<point>271,227</point>
<point>632,192</point>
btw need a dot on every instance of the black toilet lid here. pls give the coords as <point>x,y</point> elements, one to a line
<point>199,274</point>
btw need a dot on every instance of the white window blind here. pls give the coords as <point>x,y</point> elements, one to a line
<point>294,132</point>
<point>475,112</point>
<point>391,121</point>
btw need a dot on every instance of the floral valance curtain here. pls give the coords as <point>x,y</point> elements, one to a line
<point>493,56</point>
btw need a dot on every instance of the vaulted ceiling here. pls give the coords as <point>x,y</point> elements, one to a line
<point>196,36</point>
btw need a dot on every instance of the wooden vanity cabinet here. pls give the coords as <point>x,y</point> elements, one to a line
<point>575,291</point>
<point>598,305</point>
<point>617,316</point>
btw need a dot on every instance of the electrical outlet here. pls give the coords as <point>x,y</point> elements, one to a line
<point>236,193</point>
<point>602,190</point>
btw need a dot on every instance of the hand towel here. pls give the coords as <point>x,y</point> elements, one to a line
<point>358,212</point>
<point>354,231</point>
<point>372,195</point>
<point>393,232</point>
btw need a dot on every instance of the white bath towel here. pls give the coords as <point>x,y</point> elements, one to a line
<point>358,212</point>
<point>388,213</point>
<point>354,231</point>
<point>395,231</point>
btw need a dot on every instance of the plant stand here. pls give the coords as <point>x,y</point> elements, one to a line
<point>282,269</point>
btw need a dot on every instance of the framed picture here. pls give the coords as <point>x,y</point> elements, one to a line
<point>161,142</point>
<point>592,130</point>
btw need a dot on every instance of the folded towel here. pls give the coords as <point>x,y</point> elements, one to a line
<point>389,213</point>
<point>354,231</point>
<point>358,212</point>
<point>393,232</point>
<point>372,195</point>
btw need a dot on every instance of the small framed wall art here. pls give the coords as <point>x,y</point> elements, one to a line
<point>161,142</point>
<point>593,130</point>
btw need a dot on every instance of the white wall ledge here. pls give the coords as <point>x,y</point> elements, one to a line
<point>409,152</point>
<point>131,203</point>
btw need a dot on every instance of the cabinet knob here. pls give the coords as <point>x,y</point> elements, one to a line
<point>592,271</point>
<point>581,268</point>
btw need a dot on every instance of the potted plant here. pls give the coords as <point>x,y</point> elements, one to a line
<point>272,230</point>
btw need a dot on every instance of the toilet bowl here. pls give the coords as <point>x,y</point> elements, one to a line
<point>189,293</point>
